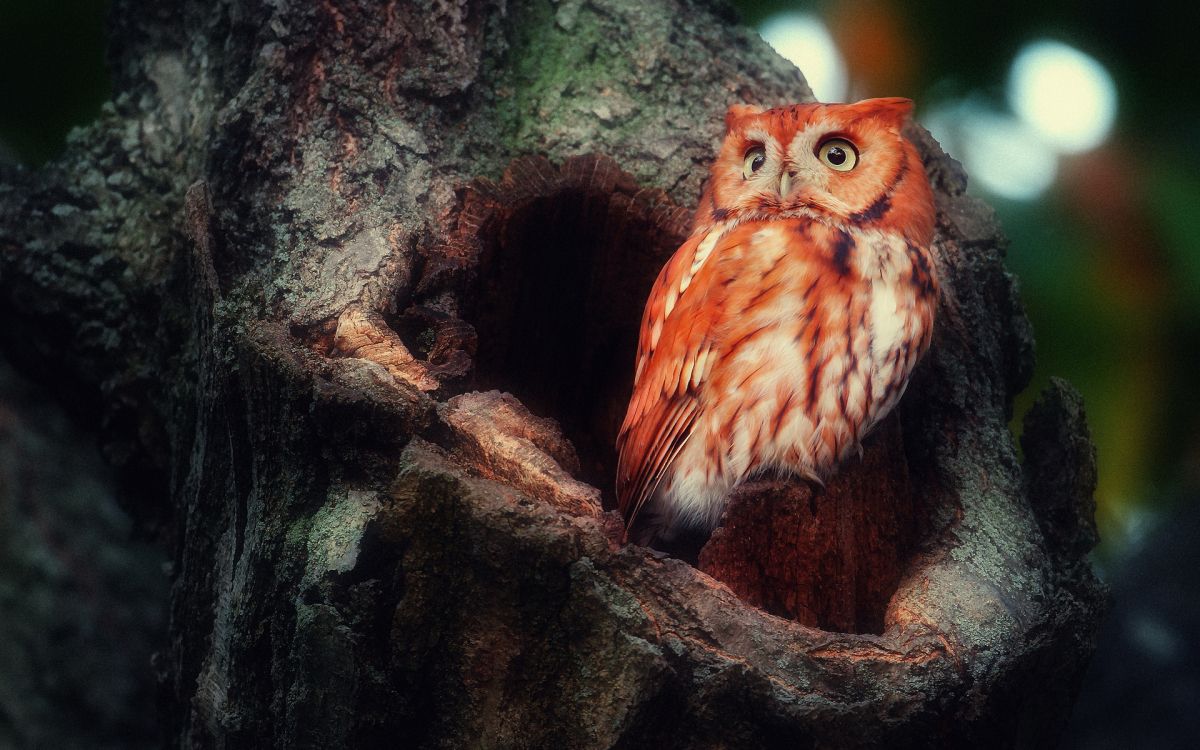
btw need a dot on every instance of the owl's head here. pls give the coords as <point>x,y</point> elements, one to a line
<point>848,163</point>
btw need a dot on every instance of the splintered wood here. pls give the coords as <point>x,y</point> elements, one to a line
<point>365,336</point>
<point>497,437</point>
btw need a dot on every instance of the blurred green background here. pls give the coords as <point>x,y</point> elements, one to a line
<point>1089,149</point>
<point>52,73</point>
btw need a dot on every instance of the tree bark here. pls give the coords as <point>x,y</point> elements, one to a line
<point>317,268</point>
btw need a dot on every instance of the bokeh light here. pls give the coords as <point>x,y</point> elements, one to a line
<point>1002,154</point>
<point>1068,97</point>
<point>805,41</point>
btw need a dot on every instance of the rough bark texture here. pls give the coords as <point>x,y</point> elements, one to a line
<point>291,263</point>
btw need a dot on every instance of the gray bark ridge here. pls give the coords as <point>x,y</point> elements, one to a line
<point>267,266</point>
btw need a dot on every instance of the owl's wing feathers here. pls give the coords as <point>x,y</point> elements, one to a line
<point>675,355</point>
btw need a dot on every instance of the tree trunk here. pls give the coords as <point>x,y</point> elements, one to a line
<point>302,260</point>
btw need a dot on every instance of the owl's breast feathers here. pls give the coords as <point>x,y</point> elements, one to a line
<point>775,343</point>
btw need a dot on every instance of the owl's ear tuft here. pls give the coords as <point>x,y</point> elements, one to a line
<point>738,112</point>
<point>894,110</point>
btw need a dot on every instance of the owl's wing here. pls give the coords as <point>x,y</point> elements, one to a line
<point>675,354</point>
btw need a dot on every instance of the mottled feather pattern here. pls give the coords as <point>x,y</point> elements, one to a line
<point>788,324</point>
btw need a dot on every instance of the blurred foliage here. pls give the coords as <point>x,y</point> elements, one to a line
<point>52,73</point>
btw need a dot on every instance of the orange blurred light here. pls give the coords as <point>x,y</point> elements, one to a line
<point>878,49</point>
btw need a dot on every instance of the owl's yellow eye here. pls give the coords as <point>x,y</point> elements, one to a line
<point>756,157</point>
<point>838,154</point>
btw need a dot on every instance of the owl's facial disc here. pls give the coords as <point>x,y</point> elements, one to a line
<point>845,162</point>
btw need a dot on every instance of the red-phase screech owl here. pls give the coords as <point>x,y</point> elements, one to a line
<point>787,325</point>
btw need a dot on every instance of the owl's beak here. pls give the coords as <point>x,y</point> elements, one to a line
<point>785,185</point>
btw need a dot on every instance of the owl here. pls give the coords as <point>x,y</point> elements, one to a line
<point>788,323</point>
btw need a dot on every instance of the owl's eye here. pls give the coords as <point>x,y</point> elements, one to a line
<point>754,161</point>
<point>838,154</point>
